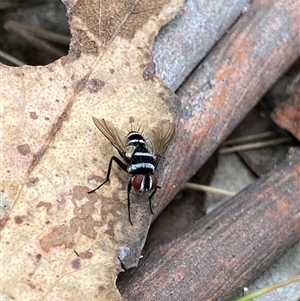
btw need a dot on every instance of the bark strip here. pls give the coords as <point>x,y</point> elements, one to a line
<point>228,248</point>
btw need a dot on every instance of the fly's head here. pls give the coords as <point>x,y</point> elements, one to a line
<point>144,183</point>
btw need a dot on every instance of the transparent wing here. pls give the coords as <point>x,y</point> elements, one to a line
<point>161,137</point>
<point>115,137</point>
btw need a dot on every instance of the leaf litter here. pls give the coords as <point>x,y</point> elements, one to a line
<point>57,241</point>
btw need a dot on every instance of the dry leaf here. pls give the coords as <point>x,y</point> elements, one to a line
<point>58,242</point>
<point>287,113</point>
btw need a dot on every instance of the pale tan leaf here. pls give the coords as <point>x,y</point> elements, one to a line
<point>58,242</point>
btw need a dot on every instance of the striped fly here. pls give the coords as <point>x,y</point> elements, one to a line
<point>140,155</point>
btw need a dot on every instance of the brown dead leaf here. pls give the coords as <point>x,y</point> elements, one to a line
<point>287,113</point>
<point>58,242</point>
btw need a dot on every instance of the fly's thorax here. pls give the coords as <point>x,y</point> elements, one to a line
<point>142,162</point>
<point>141,168</point>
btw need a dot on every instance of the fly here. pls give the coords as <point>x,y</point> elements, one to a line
<point>140,157</point>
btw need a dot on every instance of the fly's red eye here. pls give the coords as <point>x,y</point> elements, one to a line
<point>137,182</point>
<point>154,182</point>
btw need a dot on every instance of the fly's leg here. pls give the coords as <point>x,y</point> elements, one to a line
<point>128,201</point>
<point>120,164</point>
<point>150,198</point>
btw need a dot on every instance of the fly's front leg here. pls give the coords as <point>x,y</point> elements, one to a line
<point>120,164</point>
<point>128,201</point>
<point>150,198</point>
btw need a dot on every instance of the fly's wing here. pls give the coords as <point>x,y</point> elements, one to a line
<point>115,137</point>
<point>161,137</point>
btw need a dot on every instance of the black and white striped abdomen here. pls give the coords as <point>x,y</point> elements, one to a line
<point>135,139</point>
<point>142,162</point>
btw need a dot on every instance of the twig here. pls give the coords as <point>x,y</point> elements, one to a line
<point>227,150</point>
<point>11,58</point>
<point>36,42</point>
<point>199,187</point>
<point>39,32</point>
<point>248,138</point>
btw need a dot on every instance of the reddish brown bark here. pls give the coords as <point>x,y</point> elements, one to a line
<point>263,43</point>
<point>228,248</point>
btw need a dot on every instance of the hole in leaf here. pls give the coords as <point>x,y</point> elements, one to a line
<point>33,32</point>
